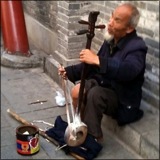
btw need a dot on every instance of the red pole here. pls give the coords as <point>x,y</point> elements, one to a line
<point>13,28</point>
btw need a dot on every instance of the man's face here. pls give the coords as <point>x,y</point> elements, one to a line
<point>118,25</point>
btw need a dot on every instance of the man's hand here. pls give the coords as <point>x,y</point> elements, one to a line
<point>89,57</point>
<point>62,72</point>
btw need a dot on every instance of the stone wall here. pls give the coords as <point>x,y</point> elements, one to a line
<point>59,19</point>
<point>43,11</point>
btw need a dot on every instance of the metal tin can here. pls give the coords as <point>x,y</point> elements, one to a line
<point>27,139</point>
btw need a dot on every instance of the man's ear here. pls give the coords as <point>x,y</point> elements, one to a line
<point>129,29</point>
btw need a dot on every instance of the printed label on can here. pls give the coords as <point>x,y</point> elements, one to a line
<point>28,147</point>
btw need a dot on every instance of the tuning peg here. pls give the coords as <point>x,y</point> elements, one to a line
<point>83,22</point>
<point>102,26</point>
<point>82,32</point>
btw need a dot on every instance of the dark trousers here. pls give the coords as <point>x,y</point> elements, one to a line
<point>98,100</point>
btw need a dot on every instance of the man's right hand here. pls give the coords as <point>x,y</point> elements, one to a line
<point>62,72</point>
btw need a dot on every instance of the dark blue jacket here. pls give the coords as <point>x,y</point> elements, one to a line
<point>122,69</point>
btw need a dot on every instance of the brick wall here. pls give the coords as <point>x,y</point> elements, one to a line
<point>43,11</point>
<point>62,17</point>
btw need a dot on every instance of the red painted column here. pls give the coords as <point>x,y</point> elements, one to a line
<point>13,28</point>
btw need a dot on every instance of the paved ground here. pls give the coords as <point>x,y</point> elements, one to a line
<point>19,87</point>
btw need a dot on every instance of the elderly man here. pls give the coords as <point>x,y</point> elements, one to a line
<point>116,74</point>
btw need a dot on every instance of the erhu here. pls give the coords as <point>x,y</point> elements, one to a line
<point>76,131</point>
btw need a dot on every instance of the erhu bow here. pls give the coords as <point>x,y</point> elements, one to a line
<point>76,132</point>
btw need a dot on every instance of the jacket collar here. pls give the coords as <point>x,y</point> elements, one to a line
<point>122,42</point>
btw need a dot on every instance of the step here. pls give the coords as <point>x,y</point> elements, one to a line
<point>141,136</point>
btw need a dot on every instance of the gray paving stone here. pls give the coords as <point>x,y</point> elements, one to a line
<point>150,144</point>
<point>4,122</point>
<point>8,136</point>
<point>10,152</point>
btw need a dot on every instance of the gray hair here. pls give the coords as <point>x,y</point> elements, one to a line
<point>134,16</point>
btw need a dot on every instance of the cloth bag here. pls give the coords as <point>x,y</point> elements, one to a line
<point>88,150</point>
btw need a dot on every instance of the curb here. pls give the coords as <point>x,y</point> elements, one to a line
<point>17,61</point>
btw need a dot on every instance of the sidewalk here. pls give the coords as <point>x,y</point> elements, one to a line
<point>19,87</point>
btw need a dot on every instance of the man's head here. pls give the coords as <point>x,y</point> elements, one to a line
<point>124,20</point>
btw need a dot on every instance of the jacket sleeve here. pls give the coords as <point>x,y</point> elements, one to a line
<point>74,72</point>
<point>127,68</point>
